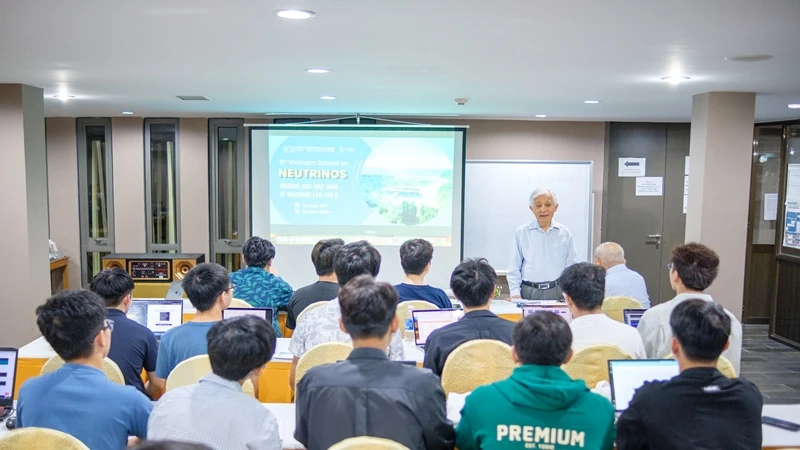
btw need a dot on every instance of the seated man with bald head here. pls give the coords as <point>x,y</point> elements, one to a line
<point>620,280</point>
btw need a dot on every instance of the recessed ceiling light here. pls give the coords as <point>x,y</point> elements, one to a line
<point>295,14</point>
<point>794,105</point>
<point>749,58</point>
<point>63,97</point>
<point>127,113</point>
<point>591,102</point>
<point>317,70</point>
<point>328,97</point>
<point>541,115</point>
<point>675,79</point>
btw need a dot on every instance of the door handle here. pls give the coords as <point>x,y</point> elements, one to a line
<point>657,241</point>
<point>100,241</point>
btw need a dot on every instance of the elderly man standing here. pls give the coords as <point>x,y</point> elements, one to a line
<point>542,249</point>
<point>620,280</point>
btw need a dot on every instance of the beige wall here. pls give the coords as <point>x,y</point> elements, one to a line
<point>62,181</point>
<point>193,166</point>
<point>127,147</point>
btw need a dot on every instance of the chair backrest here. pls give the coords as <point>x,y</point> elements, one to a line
<point>40,439</point>
<point>723,365</point>
<point>110,368</point>
<point>475,363</point>
<point>190,371</point>
<point>239,303</point>
<point>613,307</point>
<point>590,364</point>
<point>326,353</point>
<point>367,443</point>
<point>402,307</point>
<point>308,308</point>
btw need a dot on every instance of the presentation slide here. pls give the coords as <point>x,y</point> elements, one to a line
<point>380,184</point>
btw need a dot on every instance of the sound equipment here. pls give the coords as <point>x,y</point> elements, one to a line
<point>152,273</point>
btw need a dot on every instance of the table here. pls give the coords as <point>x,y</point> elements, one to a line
<point>59,266</point>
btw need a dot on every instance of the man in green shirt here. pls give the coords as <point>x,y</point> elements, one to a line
<point>539,406</point>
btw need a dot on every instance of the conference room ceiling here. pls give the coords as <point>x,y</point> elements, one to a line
<point>511,59</point>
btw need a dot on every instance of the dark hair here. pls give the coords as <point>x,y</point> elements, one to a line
<point>473,282</point>
<point>696,264</point>
<point>415,255</point>
<point>238,345</point>
<point>585,284</point>
<point>354,259</point>
<point>170,445</point>
<point>204,283</point>
<point>323,253</point>
<point>542,338</point>
<point>70,321</point>
<point>368,307</point>
<point>702,328</point>
<point>258,252</point>
<point>113,285</point>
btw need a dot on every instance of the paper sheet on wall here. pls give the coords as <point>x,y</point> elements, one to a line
<point>686,185</point>
<point>685,203</point>
<point>632,167</point>
<point>649,186</point>
<point>791,231</point>
<point>771,206</point>
<point>686,166</point>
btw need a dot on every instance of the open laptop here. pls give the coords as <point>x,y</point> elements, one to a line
<point>175,290</point>
<point>632,316</point>
<point>426,321</point>
<point>560,309</point>
<point>264,313</point>
<point>8,372</point>
<point>627,375</point>
<point>159,316</point>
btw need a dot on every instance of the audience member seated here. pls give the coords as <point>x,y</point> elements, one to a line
<point>322,324</point>
<point>700,408</point>
<point>539,406</point>
<point>209,289</point>
<point>620,280</point>
<point>473,282</point>
<point>215,412</point>
<point>134,346</point>
<point>583,285</point>
<point>692,269</point>
<point>324,289</point>
<point>369,395</point>
<point>415,257</point>
<point>259,284</point>
<point>78,399</point>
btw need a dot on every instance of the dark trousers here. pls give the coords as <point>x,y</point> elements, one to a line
<point>531,293</point>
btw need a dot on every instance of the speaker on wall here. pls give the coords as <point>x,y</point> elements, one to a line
<point>154,267</point>
<point>114,263</point>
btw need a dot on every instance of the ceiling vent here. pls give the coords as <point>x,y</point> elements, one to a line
<point>193,97</point>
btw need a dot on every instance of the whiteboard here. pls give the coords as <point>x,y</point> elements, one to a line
<point>496,199</point>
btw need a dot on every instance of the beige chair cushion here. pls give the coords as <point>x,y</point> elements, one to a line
<point>239,303</point>
<point>308,308</point>
<point>723,365</point>
<point>591,363</point>
<point>190,371</point>
<point>39,439</point>
<point>475,363</point>
<point>327,353</point>
<point>613,307</point>
<point>110,368</point>
<point>367,443</point>
<point>402,307</point>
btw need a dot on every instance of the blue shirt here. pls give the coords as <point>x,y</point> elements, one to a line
<point>262,289</point>
<point>180,344</point>
<point>625,282</point>
<point>538,256</point>
<point>133,347</point>
<point>427,293</point>
<point>81,401</point>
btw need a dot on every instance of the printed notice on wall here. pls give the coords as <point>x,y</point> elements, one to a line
<point>686,185</point>
<point>685,203</point>
<point>791,231</point>
<point>649,186</point>
<point>686,166</point>
<point>632,167</point>
<point>771,206</point>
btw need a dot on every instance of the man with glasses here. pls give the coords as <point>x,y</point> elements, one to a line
<point>78,399</point>
<point>209,289</point>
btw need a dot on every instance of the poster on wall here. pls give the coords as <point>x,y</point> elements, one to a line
<point>791,235</point>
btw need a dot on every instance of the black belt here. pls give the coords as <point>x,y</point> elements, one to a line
<point>542,286</point>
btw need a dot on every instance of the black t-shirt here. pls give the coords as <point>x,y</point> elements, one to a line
<point>315,292</point>
<point>133,347</point>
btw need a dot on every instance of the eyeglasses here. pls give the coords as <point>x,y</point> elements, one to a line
<point>669,267</point>
<point>109,325</point>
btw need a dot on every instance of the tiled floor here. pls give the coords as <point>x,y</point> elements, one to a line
<point>773,367</point>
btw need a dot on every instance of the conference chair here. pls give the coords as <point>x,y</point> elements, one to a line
<point>308,308</point>
<point>239,303</point>
<point>590,364</point>
<point>190,371</point>
<point>327,353</point>
<point>723,365</point>
<point>110,368</point>
<point>613,307</point>
<point>40,439</point>
<point>367,443</point>
<point>402,307</point>
<point>475,363</point>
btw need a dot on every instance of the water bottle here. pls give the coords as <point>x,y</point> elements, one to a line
<point>408,336</point>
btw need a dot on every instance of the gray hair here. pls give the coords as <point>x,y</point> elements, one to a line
<point>610,254</point>
<point>542,191</point>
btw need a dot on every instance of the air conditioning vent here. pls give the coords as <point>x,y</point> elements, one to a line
<point>193,97</point>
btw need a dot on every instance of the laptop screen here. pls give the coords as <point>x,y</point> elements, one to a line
<point>561,310</point>
<point>630,374</point>
<point>428,320</point>
<point>8,369</point>
<point>264,313</point>
<point>159,316</point>
<point>632,316</point>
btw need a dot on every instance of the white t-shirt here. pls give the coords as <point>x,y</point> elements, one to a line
<point>594,329</point>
